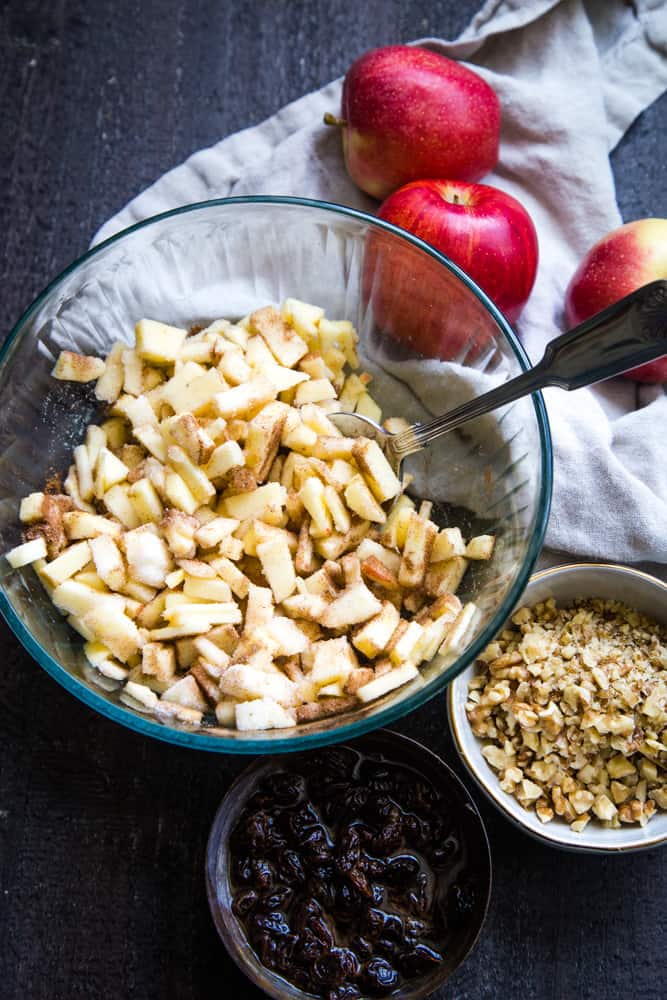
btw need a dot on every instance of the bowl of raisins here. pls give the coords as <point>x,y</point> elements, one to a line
<point>355,871</point>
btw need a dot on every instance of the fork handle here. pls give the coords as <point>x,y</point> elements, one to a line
<point>628,333</point>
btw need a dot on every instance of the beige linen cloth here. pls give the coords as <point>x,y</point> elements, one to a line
<point>571,77</point>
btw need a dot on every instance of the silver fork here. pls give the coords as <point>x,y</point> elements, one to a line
<point>629,333</point>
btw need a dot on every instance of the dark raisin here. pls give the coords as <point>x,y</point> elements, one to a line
<point>418,831</point>
<point>309,947</point>
<point>393,927</point>
<point>335,807</point>
<point>355,799</point>
<point>304,911</point>
<point>347,901</point>
<point>341,762</point>
<point>286,789</point>
<point>348,853</point>
<point>329,765</point>
<point>324,891</point>
<point>348,991</point>
<point>244,902</point>
<point>335,967</point>
<point>387,949</point>
<point>257,833</point>
<point>376,775</point>
<point>262,874</point>
<point>389,838</point>
<point>444,853</point>
<point>299,820</point>
<point>315,846</point>
<point>379,977</point>
<point>242,870</point>
<point>373,922</point>
<point>423,796</point>
<point>413,929</point>
<point>380,806</point>
<point>419,961</point>
<point>402,870</point>
<point>320,929</point>
<point>359,882</point>
<point>419,899</point>
<point>362,946</point>
<point>301,978</point>
<point>278,899</point>
<point>309,916</point>
<point>377,893</point>
<point>266,948</point>
<point>270,922</point>
<point>290,867</point>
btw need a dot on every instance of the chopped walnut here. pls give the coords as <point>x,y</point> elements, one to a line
<point>571,704</point>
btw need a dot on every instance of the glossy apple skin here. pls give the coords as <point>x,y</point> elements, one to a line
<point>429,310</point>
<point>623,260</point>
<point>482,229</point>
<point>411,113</point>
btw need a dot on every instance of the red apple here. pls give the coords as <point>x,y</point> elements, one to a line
<point>623,260</point>
<point>409,113</point>
<point>423,305</point>
<point>482,229</point>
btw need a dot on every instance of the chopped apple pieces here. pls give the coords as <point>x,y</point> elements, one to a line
<point>480,547</point>
<point>373,637</point>
<point>360,500</point>
<point>387,682</point>
<point>158,343</point>
<point>262,713</point>
<point>71,367</point>
<point>229,557</point>
<point>29,552</point>
<point>417,547</point>
<point>376,469</point>
<point>109,563</point>
<point>280,337</point>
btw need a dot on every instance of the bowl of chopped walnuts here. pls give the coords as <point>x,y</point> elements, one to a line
<point>562,719</point>
<point>191,546</point>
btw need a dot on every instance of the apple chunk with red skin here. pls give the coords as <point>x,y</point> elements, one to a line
<point>622,261</point>
<point>408,113</point>
<point>486,232</point>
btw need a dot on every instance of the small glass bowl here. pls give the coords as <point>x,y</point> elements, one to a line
<point>394,747</point>
<point>223,259</point>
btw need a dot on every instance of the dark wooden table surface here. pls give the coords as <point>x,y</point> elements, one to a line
<point>102,833</point>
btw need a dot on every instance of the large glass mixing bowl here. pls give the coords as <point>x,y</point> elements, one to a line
<point>225,258</point>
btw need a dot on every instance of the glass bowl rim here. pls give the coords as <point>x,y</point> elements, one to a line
<point>390,713</point>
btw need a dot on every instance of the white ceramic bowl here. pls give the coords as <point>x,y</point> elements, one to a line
<point>565,583</point>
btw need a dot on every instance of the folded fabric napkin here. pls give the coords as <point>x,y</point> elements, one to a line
<point>571,77</point>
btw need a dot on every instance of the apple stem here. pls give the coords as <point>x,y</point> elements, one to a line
<point>456,200</point>
<point>330,119</point>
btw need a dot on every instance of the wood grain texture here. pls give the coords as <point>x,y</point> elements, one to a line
<point>103,833</point>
